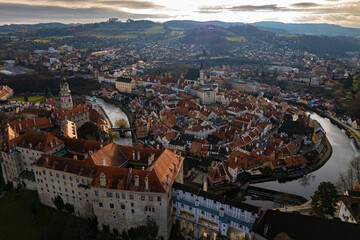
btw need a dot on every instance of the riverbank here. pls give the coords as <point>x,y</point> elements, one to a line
<point>299,174</point>
<point>127,112</point>
<point>353,134</point>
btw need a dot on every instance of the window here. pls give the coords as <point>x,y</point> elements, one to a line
<point>96,193</point>
<point>150,198</point>
<point>64,177</point>
<point>122,206</point>
<point>111,205</point>
<point>142,198</point>
<point>57,175</point>
<point>50,174</point>
<point>77,180</point>
<point>109,194</point>
<point>132,204</point>
<point>132,210</point>
<point>131,196</point>
<point>123,196</point>
<point>70,178</point>
<point>100,204</point>
<point>82,181</point>
<point>159,199</point>
<point>117,195</point>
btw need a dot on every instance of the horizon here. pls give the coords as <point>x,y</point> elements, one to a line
<point>161,22</point>
<point>338,12</point>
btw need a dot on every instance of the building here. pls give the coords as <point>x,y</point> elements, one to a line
<point>125,85</point>
<point>202,212</point>
<point>206,94</point>
<point>349,207</point>
<point>65,95</point>
<point>6,92</point>
<point>23,151</point>
<point>122,186</point>
<point>68,129</point>
<point>245,86</point>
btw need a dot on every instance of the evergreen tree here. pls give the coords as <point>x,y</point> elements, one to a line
<point>324,200</point>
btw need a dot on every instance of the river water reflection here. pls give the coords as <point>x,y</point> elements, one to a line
<point>344,151</point>
<point>114,113</point>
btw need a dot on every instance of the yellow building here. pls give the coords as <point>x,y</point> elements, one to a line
<point>125,85</point>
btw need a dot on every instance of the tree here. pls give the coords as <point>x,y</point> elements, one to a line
<point>324,200</point>
<point>348,179</point>
<point>59,203</point>
<point>121,123</point>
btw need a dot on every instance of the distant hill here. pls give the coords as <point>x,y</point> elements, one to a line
<point>26,28</point>
<point>276,27</point>
<point>309,29</point>
<point>218,36</point>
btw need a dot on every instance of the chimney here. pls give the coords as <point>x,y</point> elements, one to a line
<point>146,184</point>
<point>103,161</point>
<point>102,179</point>
<point>130,171</point>
<point>153,156</point>
<point>86,155</point>
<point>30,145</point>
<point>175,167</point>
<point>56,141</point>
<point>143,168</point>
<point>138,154</point>
<point>136,180</point>
<point>91,153</point>
<point>133,153</point>
<point>236,159</point>
<point>34,121</point>
<point>47,159</point>
<point>75,157</point>
<point>167,179</point>
<point>51,144</point>
<point>158,147</point>
<point>20,128</point>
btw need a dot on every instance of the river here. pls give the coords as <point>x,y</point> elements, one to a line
<point>344,151</point>
<point>114,113</point>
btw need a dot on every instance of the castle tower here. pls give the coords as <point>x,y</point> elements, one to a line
<point>94,103</point>
<point>65,95</point>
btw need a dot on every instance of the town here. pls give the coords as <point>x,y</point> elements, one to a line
<point>176,136</point>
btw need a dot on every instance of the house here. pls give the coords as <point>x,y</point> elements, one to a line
<point>349,210</point>
<point>6,92</point>
<point>125,85</point>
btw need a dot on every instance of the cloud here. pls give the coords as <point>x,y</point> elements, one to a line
<point>305,5</point>
<point>132,4</point>
<point>30,13</point>
<point>255,8</point>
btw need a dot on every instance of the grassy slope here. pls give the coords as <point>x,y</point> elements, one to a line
<point>31,98</point>
<point>18,222</point>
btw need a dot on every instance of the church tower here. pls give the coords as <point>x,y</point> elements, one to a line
<point>65,95</point>
<point>202,74</point>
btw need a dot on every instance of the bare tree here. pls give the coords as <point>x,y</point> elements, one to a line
<point>348,179</point>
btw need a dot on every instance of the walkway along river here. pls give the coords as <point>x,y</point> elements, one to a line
<point>344,151</point>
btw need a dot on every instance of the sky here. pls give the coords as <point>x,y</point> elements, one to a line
<point>341,12</point>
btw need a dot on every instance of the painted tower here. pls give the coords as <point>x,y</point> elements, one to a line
<point>94,103</point>
<point>65,95</point>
